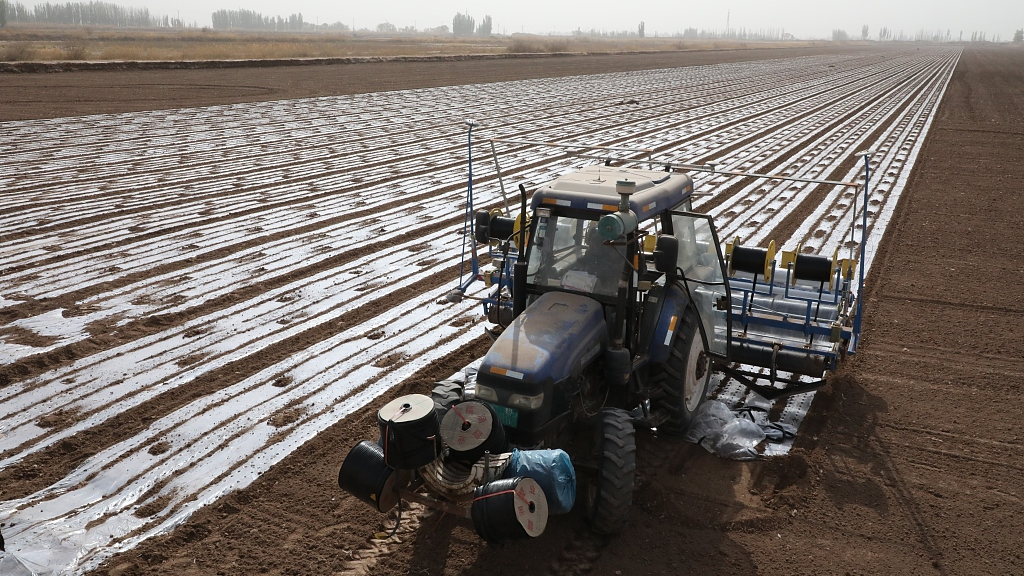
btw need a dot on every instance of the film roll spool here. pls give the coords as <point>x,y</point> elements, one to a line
<point>409,430</point>
<point>509,509</point>
<point>813,268</point>
<point>752,260</point>
<point>364,475</point>
<point>469,429</point>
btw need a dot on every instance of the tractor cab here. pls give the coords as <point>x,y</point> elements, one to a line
<point>570,251</point>
<point>613,260</point>
<point>596,231</point>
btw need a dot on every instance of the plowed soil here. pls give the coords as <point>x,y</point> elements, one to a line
<point>26,96</point>
<point>909,464</point>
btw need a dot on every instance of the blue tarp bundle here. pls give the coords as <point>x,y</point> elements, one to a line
<point>552,470</point>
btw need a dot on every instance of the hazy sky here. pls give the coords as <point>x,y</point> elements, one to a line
<point>802,18</point>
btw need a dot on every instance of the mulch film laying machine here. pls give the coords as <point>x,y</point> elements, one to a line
<point>611,304</point>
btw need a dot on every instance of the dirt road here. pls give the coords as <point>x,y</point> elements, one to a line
<point>910,463</point>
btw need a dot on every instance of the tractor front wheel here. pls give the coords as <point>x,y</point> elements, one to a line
<point>609,491</point>
<point>445,394</point>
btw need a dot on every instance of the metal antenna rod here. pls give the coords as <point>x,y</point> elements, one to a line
<point>501,181</point>
<point>863,242</point>
<point>468,223</point>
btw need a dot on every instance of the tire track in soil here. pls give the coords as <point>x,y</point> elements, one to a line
<point>47,466</point>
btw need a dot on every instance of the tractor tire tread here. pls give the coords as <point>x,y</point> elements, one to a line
<point>445,394</point>
<point>616,473</point>
<point>669,378</point>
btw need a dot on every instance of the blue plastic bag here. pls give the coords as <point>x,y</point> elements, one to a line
<point>552,470</point>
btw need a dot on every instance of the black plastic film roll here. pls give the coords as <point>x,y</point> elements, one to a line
<point>364,475</point>
<point>409,430</point>
<point>752,260</point>
<point>509,509</point>
<point>502,227</point>
<point>471,428</point>
<point>483,227</point>
<point>814,268</point>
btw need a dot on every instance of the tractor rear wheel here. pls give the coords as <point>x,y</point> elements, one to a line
<point>681,382</point>
<point>609,492</point>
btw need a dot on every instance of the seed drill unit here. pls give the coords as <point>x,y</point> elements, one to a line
<point>611,304</point>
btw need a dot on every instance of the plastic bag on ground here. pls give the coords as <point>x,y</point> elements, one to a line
<point>552,470</point>
<point>774,431</point>
<point>736,440</point>
<point>720,431</point>
<point>711,417</point>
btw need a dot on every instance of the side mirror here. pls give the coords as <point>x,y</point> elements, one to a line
<point>666,252</point>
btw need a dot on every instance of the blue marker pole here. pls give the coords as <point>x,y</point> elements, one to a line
<point>863,246</point>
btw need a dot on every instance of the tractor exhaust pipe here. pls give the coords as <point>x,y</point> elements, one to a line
<point>519,268</point>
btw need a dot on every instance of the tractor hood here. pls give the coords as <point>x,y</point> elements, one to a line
<point>554,338</point>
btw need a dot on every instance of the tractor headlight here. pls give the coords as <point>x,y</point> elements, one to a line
<point>486,393</point>
<point>526,402</point>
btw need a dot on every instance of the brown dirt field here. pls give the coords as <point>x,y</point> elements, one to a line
<point>910,463</point>
<point>25,96</point>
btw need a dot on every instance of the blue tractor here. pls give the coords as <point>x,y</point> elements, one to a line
<point>611,304</point>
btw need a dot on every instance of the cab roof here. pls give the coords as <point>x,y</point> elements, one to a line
<point>593,188</point>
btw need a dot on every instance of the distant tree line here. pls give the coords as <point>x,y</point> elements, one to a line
<point>250,20</point>
<point>890,35</point>
<point>465,25</point>
<point>1018,36</point>
<point>391,29</point>
<point>764,34</point>
<point>107,14</point>
<point>83,14</point>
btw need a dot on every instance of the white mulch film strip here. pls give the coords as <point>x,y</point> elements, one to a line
<point>317,178</point>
